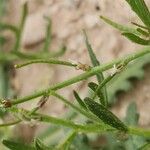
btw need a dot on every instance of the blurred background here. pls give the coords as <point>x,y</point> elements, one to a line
<point>68,18</point>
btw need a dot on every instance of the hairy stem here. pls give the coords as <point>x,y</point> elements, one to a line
<point>76,108</point>
<point>83,76</point>
<point>10,123</point>
<point>139,131</point>
<point>49,61</point>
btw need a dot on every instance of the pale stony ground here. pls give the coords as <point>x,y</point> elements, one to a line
<point>69,17</point>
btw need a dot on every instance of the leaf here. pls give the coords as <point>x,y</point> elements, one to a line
<point>132,116</point>
<point>121,82</point>
<point>100,77</point>
<point>2,7</point>
<point>93,86</point>
<point>48,35</point>
<point>17,145</point>
<point>140,8</point>
<point>105,115</point>
<point>2,41</point>
<point>4,26</point>
<point>81,142</point>
<point>136,39</point>
<point>66,143</point>
<point>79,100</point>
<point>120,27</point>
<point>145,147</point>
<point>40,146</point>
<point>144,33</point>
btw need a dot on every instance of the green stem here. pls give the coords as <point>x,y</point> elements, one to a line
<point>139,131</point>
<point>49,61</point>
<point>100,86</point>
<point>20,29</point>
<point>48,36</point>
<point>10,123</point>
<point>4,57</point>
<point>83,76</point>
<point>65,144</point>
<point>80,127</point>
<point>98,127</point>
<point>77,109</point>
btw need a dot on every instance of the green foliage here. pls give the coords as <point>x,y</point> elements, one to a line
<point>134,38</point>
<point>79,100</point>
<point>140,8</point>
<point>100,77</point>
<point>138,35</point>
<point>105,115</point>
<point>40,146</point>
<point>132,117</point>
<point>145,147</point>
<point>81,142</point>
<point>121,82</point>
<point>91,117</point>
<point>17,145</point>
<point>120,27</point>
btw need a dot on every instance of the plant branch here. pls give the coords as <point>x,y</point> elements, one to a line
<point>49,61</point>
<point>83,76</point>
<point>139,131</point>
<point>10,123</point>
<point>76,108</point>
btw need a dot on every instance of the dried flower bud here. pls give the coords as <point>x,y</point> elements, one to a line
<point>83,67</point>
<point>6,103</point>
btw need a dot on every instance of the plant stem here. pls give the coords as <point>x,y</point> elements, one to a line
<point>87,128</point>
<point>139,131</point>
<point>67,141</point>
<point>10,123</point>
<point>49,61</point>
<point>76,108</point>
<point>20,28</point>
<point>98,128</point>
<point>48,35</point>
<point>4,57</point>
<point>80,127</point>
<point>83,76</point>
<point>100,86</point>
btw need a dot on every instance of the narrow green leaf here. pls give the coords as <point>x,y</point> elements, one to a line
<point>20,28</point>
<point>2,41</point>
<point>121,82</point>
<point>145,147</point>
<point>17,145</point>
<point>141,26</point>
<point>24,15</point>
<point>99,76</point>
<point>136,39</point>
<point>79,100</point>
<point>93,86</point>
<point>140,8</point>
<point>120,27</point>
<point>93,58</point>
<point>144,33</point>
<point>105,115</point>
<point>48,35</point>
<point>65,144</point>
<point>81,142</point>
<point>39,145</point>
<point>4,26</point>
<point>132,116</point>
